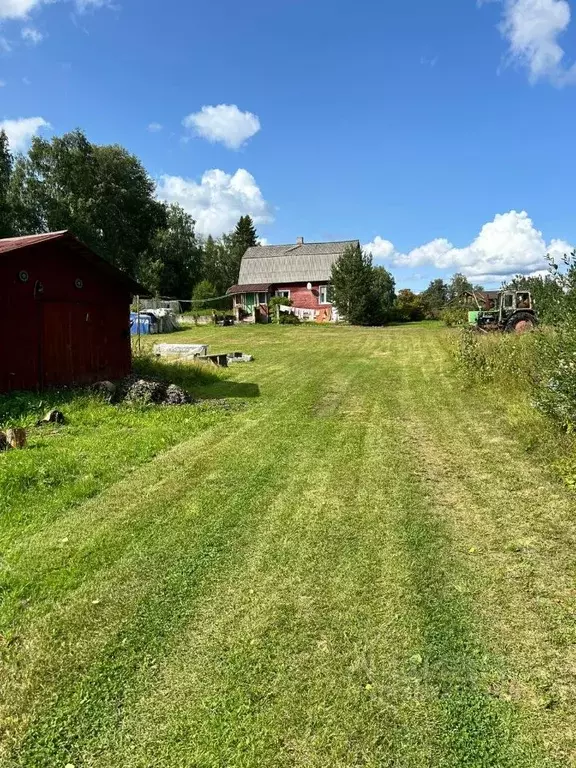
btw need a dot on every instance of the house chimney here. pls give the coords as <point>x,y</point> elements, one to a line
<point>299,241</point>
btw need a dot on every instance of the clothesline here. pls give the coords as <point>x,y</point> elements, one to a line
<point>190,301</point>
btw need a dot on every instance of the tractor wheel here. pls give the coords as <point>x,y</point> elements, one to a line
<point>521,322</point>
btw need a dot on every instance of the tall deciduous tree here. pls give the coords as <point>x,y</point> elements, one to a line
<point>102,193</point>
<point>458,286</point>
<point>383,296</point>
<point>409,306</point>
<point>352,282</point>
<point>216,263</point>
<point>173,263</point>
<point>6,223</point>
<point>435,297</point>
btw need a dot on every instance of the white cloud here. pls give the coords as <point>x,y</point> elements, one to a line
<point>155,127</point>
<point>218,200</point>
<point>379,248</point>
<point>433,252</point>
<point>533,29</point>
<point>224,123</point>
<point>21,9</point>
<point>17,9</point>
<point>86,5</point>
<point>21,131</point>
<point>508,245</point>
<point>32,35</point>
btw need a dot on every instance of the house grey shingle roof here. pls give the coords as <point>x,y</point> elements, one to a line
<point>298,263</point>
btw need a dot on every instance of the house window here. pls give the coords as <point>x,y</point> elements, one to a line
<point>324,294</point>
<point>262,298</point>
<point>239,299</point>
<point>283,294</point>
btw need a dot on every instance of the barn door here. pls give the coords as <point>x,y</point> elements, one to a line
<point>67,344</point>
<point>19,343</point>
<point>83,343</point>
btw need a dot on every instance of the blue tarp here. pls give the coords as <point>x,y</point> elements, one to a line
<point>145,324</point>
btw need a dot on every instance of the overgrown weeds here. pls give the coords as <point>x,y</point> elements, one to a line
<point>185,375</point>
<point>534,376</point>
<point>507,358</point>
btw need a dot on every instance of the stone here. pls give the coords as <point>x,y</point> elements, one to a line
<point>53,417</point>
<point>105,388</point>
<point>176,396</point>
<point>146,392</point>
<point>16,437</point>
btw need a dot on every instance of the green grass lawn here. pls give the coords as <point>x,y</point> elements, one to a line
<point>368,564</point>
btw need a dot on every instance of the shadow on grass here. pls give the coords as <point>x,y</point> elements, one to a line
<point>224,389</point>
<point>185,375</point>
<point>21,408</point>
<point>193,377</point>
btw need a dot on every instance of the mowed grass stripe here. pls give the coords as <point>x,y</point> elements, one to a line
<point>451,664</point>
<point>279,669</point>
<point>232,478</point>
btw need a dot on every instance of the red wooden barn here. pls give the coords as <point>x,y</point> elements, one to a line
<point>65,314</point>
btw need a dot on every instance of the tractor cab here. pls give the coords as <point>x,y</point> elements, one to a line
<point>510,311</point>
<point>511,301</point>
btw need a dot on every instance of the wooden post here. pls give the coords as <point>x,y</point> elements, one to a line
<point>139,342</point>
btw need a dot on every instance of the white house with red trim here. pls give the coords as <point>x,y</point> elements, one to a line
<point>300,272</point>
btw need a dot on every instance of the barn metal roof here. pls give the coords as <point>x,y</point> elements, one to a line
<point>299,263</point>
<point>10,244</point>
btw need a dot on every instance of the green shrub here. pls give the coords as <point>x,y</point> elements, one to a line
<point>555,391</point>
<point>274,304</point>
<point>454,316</point>
<point>288,319</point>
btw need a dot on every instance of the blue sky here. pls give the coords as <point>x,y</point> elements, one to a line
<point>442,134</point>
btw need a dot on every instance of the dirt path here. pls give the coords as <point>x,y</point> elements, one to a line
<point>363,568</point>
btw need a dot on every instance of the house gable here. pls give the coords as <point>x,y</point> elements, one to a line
<point>300,263</point>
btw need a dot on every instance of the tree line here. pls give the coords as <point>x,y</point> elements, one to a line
<point>365,294</point>
<point>106,197</point>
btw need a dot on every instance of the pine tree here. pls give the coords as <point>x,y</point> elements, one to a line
<point>244,235</point>
<point>6,224</point>
<point>353,286</point>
